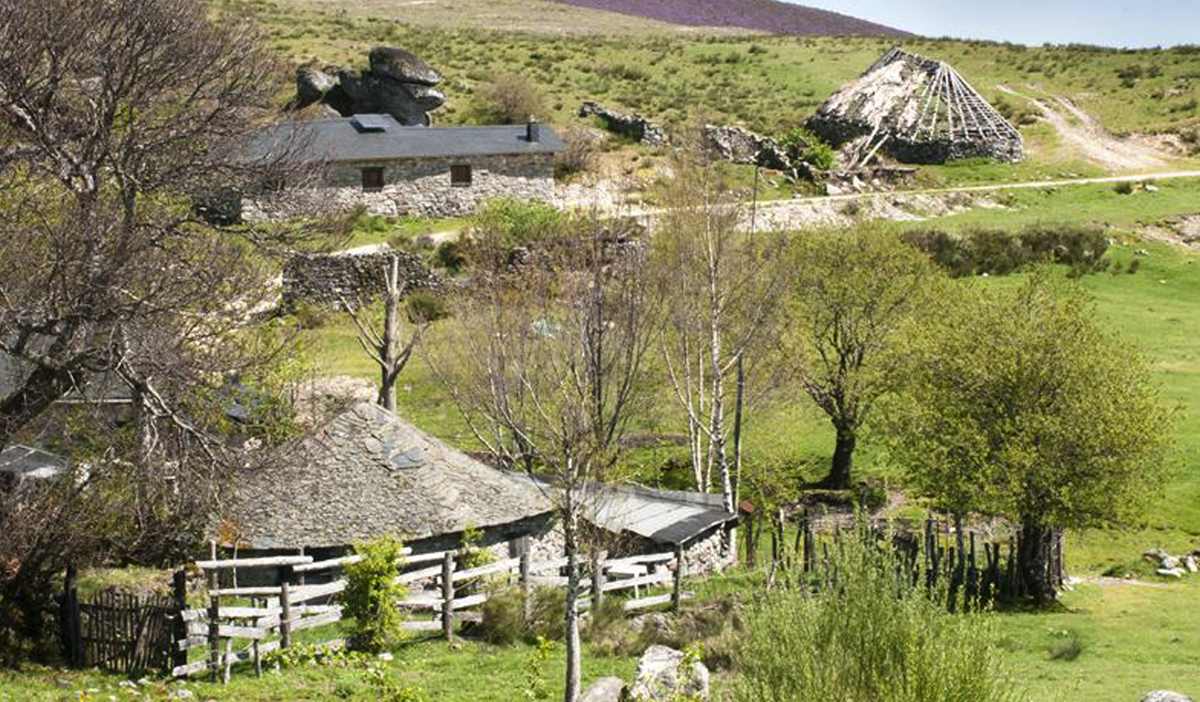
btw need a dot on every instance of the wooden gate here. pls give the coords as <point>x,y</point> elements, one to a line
<point>121,632</point>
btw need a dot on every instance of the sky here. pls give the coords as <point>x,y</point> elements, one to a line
<point>1120,23</point>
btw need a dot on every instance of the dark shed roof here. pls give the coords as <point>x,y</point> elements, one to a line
<point>27,462</point>
<point>381,137</point>
<point>663,516</point>
<point>369,473</point>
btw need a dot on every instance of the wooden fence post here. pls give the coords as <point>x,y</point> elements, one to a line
<point>526,584</point>
<point>677,592</point>
<point>179,628</point>
<point>214,640</point>
<point>302,580</point>
<point>72,627</point>
<point>285,615</point>
<point>448,595</point>
<point>597,580</point>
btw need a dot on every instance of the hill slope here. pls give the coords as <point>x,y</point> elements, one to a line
<point>762,15</point>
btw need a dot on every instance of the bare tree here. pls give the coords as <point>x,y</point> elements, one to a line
<point>721,283</point>
<point>117,120</point>
<point>548,366</point>
<point>387,347</point>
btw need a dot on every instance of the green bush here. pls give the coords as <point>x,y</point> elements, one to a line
<point>449,255</point>
<point>1001,252</point>
<point>1123,188</point>
<point>504,617</point>
<point>869,637</point>
<point>371,593</point>
<point>800,143</point>
<point>424,307</point>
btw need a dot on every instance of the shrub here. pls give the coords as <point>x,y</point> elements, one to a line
<point>1123,188</point>
<point>871,636</point>
<point>449,255</point>
<point>800,143</point>
<point>578,157</point>
<point>310,316</point>
<point>423,307</point>
<point>371,593</point>
<point>504,617</point>
<point>1000,252</point>
<point>512,98</point>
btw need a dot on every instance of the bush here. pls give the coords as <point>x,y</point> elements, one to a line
<point>579,156</point>
<point>512,98</point>
<point>310,316</point>
<point>503,225</point>
<point>1001,252</point>
<point>504,617</point>
<point>1123,188</point>
<point>869,637</point>
<point>449,255</point>
<point>371,593</point>
<point>800,143</point>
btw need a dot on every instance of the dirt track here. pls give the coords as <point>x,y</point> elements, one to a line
<point>1083,134</point>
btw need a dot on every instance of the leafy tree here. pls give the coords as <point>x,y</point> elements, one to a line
<point>1018,404</point>
<point>853,289</point>
<point>371,594</point>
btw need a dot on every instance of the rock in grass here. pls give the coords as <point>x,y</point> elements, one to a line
<point>659,677</point>
<point>1171,572</point>
<point>604,690</point>
<point>1166,696</point>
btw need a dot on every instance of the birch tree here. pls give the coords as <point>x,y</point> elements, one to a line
<point>721,284</point>
<point>548,365</point>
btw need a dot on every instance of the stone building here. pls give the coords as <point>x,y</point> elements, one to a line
<point>369,473</point>
<point>393,170</point>
<point>917,110</point>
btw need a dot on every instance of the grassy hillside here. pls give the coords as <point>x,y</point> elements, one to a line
<point>766,83</point>
<point>770,16</point>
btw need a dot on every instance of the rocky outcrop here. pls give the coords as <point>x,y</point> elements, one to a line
<point>741,145</point>
<point>634,127</point>
<point>661,676</point>
<point>1170,566</point>
<point>397,83</point>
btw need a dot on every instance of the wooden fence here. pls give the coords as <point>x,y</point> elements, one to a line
<point>120,632</point>
<point>242,624</point>
<point>979,565</point>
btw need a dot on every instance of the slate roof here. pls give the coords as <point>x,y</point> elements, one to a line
<point>96,387</point>
<point>663,516</point>
<point>27,462</point>
<point>338,140</point>
<point>369,473</point>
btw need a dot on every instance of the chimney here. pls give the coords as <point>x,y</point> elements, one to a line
<point>533,131</point>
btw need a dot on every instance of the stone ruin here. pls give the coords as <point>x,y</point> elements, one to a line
<point>917,110</point>
<point>741,145</point>
<point>397,83</point>
<point>634,127</point>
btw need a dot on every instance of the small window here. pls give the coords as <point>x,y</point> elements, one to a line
<point>460,175</point>
<point>372,179</point>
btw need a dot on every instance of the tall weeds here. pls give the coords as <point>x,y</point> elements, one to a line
<point>874,635</point>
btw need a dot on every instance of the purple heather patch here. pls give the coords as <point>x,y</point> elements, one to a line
<point>762,15</point>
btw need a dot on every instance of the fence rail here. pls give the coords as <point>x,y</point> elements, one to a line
<point>189,641</point>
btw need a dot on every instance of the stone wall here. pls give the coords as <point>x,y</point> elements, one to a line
<point>417,187</point>
<point>327,279</point>
<point>707,553</point>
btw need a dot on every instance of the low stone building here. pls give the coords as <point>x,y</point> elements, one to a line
<point>369,473</point>
<point>393,170</point>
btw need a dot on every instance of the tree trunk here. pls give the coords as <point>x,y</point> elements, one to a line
<point>843,456</point>
<point>1035,549</point>
<point>574,655</point>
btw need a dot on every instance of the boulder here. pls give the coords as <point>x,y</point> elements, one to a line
<point>741,145</point>
<point>659,677</point>
<point>1170,562</point>
<point>397,83</point>
<point>655,622</point>
<point>401,66</point>
<point>1171,572</point>
<point>1189,563</point>
<point>604,690</point>
<point>312,83</point>
<point>1166,696</point>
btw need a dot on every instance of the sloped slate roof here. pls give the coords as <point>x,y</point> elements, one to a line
<point>338,140</point>
<point>96,387</point>
<point>663,516</point>
<point>370,473</point>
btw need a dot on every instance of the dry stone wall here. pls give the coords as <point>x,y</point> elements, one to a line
<point>327,279</point>
<point>418,187</point>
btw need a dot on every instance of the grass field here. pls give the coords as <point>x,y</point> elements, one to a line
<point>769,84</point>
